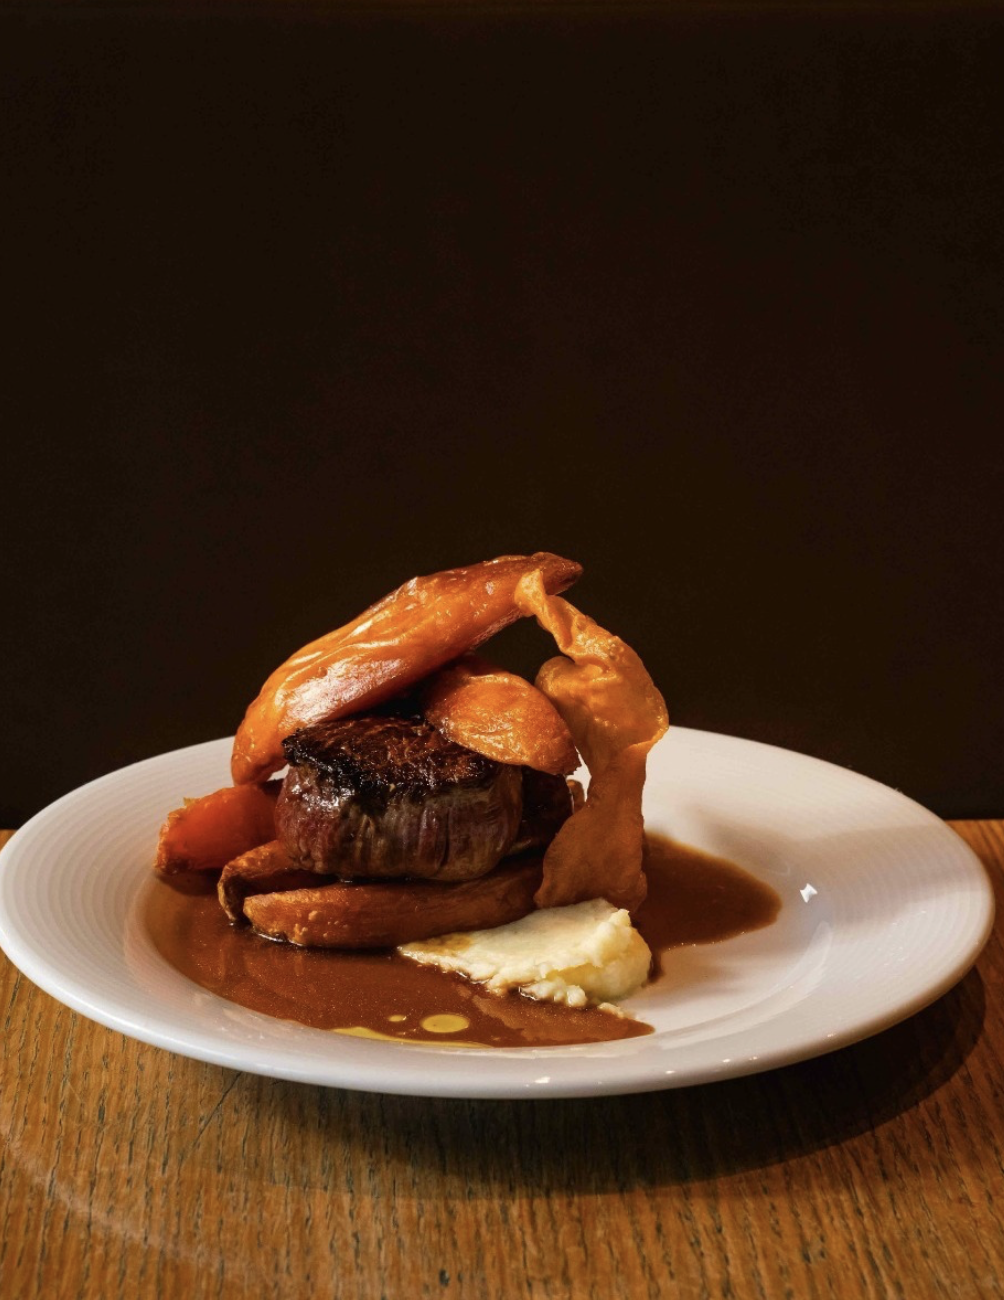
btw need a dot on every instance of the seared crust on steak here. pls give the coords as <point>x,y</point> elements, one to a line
<point>380,754</point>
<point>385,797</point>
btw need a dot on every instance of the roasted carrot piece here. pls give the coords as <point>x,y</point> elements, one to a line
<point>615,714</point>
<point>500,715</point>
<point>205,834</point>
<point>395,643</point>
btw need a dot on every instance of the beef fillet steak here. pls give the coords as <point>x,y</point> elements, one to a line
<point>384,797</point>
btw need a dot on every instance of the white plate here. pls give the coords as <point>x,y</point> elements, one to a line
<point>884,910</point>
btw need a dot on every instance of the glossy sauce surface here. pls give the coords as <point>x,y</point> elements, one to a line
<point>693,898</point>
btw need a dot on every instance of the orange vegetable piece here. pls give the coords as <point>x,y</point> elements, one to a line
<point>615,715</point>
<point>500,715</point>
<point>206,833</point>
<point>404,637</point>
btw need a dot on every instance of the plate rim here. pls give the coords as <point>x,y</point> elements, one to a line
<point>631,1074</point>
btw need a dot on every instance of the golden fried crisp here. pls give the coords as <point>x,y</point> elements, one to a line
<point>615,714</point>
<point>395,643</point>
<point>500,715</point>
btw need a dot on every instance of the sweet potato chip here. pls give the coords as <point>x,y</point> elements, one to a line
<point>615,714</point>
<point>500,715</point>
<point>398,641</point>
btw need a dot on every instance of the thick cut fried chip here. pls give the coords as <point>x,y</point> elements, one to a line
<point>206,833</point>
<point>261,870</point>
<point>615,714</point>
<point>395,643</point>
<point>500,715</point>
<point>384,914</point>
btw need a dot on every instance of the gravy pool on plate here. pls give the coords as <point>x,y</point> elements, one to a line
<point>693,898</point>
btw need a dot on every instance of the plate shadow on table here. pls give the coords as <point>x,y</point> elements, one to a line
<point>650,1139</point>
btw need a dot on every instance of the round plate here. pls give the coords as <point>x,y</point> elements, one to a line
<point>884,909</point>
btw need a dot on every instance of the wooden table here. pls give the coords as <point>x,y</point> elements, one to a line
<point>875,1171</point>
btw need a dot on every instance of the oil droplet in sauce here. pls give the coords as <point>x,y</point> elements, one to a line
<point>692,898</point>
<point>445,1024</point>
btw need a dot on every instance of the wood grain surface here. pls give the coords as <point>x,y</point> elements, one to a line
<point>875,1171</point>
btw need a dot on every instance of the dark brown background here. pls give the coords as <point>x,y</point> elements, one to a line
<point>708,298</point>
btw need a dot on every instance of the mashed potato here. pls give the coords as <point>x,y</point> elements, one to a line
<point>586,954</point>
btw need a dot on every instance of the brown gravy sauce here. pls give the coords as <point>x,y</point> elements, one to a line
<point>692,898</point>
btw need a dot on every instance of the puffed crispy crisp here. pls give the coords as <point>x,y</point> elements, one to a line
<point>499,714</point>
<point>395,643</point>
<point>615,714</point>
